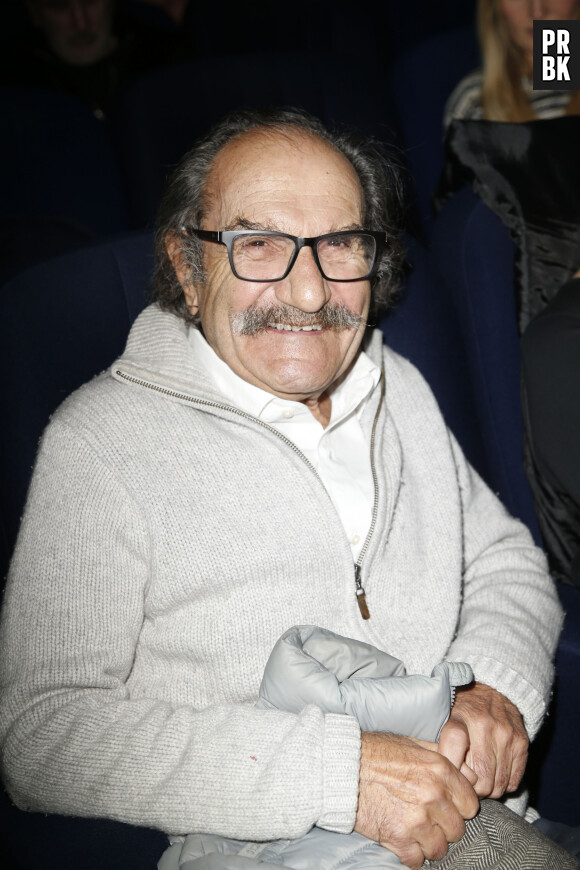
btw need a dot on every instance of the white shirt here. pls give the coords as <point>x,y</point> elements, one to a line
<point>340,453</point>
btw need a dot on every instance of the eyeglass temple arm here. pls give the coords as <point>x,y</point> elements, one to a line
<point>205,235</point>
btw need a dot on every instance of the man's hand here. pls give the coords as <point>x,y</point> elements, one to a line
<point>412,800</point>
<point>486,732</point>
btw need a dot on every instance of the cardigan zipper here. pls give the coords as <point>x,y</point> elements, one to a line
<point>175,394</point>
<point>360,592</point>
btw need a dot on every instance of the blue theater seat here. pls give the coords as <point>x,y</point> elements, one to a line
<point>415,20</point>
<point>60,179</point>
<point>421,79</point>
<point>474,254</point>
<point>423,326</point>
<point>159,116</point>
<point>61,322</point>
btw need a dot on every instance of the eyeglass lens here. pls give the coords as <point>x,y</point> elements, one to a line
<point>263,257</point>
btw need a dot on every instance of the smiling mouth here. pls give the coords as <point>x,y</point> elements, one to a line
<point>286,327</point>
<point>280,317</point>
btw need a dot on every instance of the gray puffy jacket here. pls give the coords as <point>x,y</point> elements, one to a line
<point>310,665</point>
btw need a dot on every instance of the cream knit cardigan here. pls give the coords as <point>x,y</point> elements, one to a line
<point>165,547</point>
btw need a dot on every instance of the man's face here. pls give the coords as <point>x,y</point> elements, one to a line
<point>297,185</point>
<point>77,31</point>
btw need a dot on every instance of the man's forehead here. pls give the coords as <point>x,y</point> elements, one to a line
<point>282,164</point>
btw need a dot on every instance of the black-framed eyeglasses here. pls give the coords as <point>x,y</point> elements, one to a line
<point>262,255</point>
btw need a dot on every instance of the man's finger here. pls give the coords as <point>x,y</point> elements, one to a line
<point>435,841</point>
<point>456,739</point>
<point>501,778</point>
<point>484,764</point>
<point>412,799</point>
<point>518,766</point>
<point>469,774</point>
<point>410,856</point>
<point>454,742</point>
<point>464,797</point>
<point>450,822</point>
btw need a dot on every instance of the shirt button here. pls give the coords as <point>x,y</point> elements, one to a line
<point>288,413</point>
<point>354,540</point>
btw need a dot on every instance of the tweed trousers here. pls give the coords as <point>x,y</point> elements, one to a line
<point>498,839</point>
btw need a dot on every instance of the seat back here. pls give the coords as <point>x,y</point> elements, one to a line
<point>161,114</point>
<point>423,326</point>
<point>60,178</point>
<point>58,160</point>
<point>415,20</point>
<point>474,254</point>
<point>421,79</point>
<point>61,322</point>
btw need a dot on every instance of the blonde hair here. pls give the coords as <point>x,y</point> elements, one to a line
<point>503,97</point>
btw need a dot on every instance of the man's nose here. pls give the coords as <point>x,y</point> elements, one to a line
<point>304,287</point>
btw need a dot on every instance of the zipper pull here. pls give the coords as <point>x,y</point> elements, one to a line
<point>362,604</point>
<point>360,594</point>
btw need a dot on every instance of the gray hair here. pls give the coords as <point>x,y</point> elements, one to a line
<point>185,200</point>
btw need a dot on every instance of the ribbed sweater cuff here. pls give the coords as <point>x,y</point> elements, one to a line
<point>526,697</point>
<point>340,771</point>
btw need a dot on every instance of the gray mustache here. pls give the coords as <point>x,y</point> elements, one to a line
<point>334,315</point>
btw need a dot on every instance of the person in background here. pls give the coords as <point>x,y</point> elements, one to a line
<point>551,379</point>
<point>87,48</point>
<point>503,89</point>
<point>77,32</point>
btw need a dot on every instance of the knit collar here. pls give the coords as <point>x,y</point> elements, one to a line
<point>350,393</point>
<point>158,350</point>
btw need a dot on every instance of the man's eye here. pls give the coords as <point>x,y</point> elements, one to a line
<point>335,244</point>
<point>254,242</point>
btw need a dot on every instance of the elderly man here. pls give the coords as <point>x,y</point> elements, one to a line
<point>255,460</point>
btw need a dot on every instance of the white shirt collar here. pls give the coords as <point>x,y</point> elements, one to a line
<point>349,396</point>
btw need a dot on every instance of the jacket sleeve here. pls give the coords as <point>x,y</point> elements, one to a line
<point>511,618</point>
<point>77,741</point>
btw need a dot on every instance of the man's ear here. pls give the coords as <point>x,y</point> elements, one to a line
<point>182,270</point>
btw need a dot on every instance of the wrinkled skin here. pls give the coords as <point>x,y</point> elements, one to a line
<point>412,799</point>
<point>414,796</point>
<point>486,732</point>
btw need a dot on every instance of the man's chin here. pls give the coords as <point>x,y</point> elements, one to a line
<point>295,379</point>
